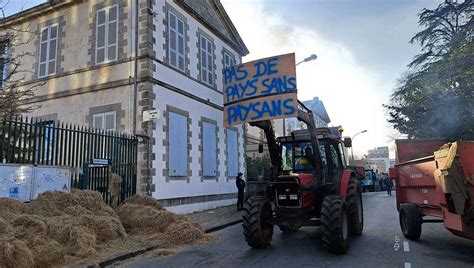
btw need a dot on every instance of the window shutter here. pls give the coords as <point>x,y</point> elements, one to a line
<point>176,46</point>
<point>53,40</point>
<point>110,121</point>
<point>178,145</point>
<point>232,153</point>
<point>100,36</point>
<point>97,121</point>
<point>112,33</point>
<point>209,150</point>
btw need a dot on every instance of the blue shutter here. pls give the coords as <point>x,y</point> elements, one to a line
<point>178,143</point>
<point>232,153</point>
<point>209,150</point>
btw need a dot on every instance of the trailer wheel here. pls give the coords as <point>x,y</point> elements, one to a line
<point>257,222</point>
<point>410,221</point>
<point>289,226</point>
<point>334,224</point>
<point>355,207</point>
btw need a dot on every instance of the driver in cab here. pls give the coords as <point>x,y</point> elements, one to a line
<point>305,160</point>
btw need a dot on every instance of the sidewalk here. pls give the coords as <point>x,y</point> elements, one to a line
<point>215,219</point>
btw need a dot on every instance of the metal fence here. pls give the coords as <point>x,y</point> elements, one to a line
<point>41,142</point>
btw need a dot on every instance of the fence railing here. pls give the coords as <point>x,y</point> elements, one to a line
<point>42,142</point>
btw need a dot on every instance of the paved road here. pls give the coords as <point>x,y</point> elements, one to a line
<point>376,247</point>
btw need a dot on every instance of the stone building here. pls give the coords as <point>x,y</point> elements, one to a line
<point>103,63</point>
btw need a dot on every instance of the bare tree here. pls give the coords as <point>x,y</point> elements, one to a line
<point>13,70</point>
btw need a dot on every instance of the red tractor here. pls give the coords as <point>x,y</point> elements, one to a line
<point>311,185</point>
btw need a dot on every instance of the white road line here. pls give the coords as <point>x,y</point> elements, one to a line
<point>407,265</point>
<point>406,246</point>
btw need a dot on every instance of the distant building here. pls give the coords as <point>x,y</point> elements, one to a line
<point>321,116</point>
<point>378,159</point>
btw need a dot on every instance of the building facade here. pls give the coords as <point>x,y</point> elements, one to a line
<point>378,159</point>
<point>103,63</point>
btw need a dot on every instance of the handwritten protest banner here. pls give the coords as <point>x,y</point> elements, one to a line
<point>260,90</point>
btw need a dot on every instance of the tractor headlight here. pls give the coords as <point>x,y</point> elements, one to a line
<point>293,197</point>
<point>282,197</point>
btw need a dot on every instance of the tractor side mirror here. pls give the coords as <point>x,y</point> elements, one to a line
<point>347,142</point>
<point>260,148</point>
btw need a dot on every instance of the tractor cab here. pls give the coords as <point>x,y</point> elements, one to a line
<point>299,156</point>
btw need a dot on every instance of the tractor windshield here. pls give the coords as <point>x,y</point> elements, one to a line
<point>298,156</point>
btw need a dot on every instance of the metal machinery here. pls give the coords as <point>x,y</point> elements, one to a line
<point>311,185</point>
<point>435,183</point>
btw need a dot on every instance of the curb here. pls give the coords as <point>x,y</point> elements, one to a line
<point>132,254</point>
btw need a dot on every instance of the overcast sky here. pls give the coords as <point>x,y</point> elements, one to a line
<point>362,48</point>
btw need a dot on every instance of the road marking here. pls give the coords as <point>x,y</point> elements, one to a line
<point>406,246</point>
<point>407,265</point>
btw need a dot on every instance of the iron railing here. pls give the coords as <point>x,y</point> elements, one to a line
<point>41,142</point>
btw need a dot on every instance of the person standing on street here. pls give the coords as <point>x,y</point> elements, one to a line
<point>240,183</point>
<point>388,185</point>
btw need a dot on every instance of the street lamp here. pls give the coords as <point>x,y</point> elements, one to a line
<point>352,147</point>
<point>310,58</point>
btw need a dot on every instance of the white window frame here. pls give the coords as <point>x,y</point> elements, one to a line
<point>4,57</point>
<point>207,53</point>
<point>48,44</point>
<point>231,59</point>
<point>177,34</point>
<point>103,117</point>
<point>106,46</point>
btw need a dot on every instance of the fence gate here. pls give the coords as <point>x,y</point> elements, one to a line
<point>40,142</point>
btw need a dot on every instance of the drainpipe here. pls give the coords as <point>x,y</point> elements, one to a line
<point>135,80</point>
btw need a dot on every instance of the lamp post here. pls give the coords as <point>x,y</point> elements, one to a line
<point>310,58</point>
<point>352,147</point>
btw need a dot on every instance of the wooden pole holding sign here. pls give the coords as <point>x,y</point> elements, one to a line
<point>260,90</point>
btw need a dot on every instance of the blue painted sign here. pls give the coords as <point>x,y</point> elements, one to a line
<point>260,90</point>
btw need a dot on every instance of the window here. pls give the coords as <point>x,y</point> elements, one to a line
<point>106,35</point>
<point>176,41</point>
<point>4,62</point>
<point>178,145</point>
<point>105,121</point>
<point>209,152</point>
<point>206,61</point>
<point>48,51</point>
<point>229,60</point>
<point>232,153</point>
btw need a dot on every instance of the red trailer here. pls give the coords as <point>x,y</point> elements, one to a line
<point>435,183</point>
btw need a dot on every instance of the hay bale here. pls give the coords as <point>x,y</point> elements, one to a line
<point>144,200</point>
<point>92,201</point>
<point>15,253</point>
<point>56,203</point>
<point>82,242</point>
<point>26,226</point>
<point>105,228</point>
<point>184,232</point>
<point>5,227</point>
<point>115,181</point>
<point>46,252</point>
<point>10,208</point>
<point>139,219</point>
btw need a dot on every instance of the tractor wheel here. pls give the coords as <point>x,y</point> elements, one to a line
<point>334,224</point>
<point>257,222</point>
<point>289,226</point>
<point>410,221</point>
<point>355,207</point>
